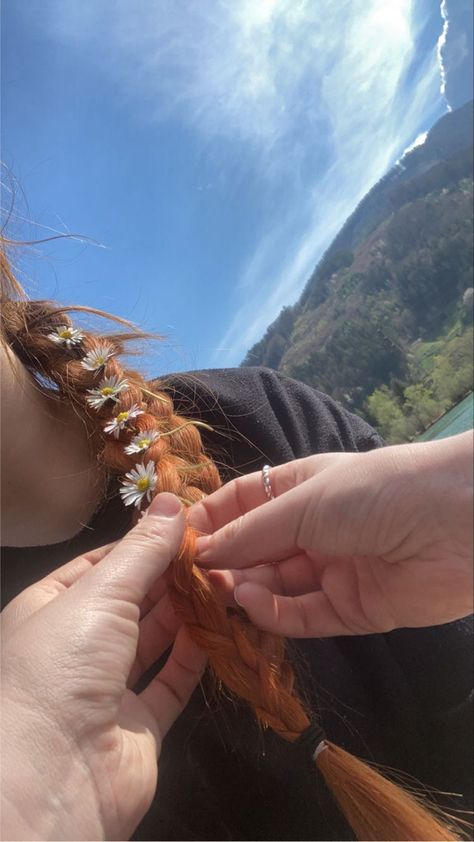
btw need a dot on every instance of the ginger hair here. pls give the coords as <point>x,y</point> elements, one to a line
<point>251,663</point>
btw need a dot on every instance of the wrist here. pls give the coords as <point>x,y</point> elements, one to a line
<point>47,792</point>
<point>36,807</point>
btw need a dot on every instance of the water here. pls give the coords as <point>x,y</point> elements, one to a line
<point>457,420</point>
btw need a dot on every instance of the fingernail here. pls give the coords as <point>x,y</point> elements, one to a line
<point>236,596</point>
<point>165,505</point>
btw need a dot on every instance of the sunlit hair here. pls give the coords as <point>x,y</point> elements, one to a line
<point>251,663</point>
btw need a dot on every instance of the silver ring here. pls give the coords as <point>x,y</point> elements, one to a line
<point>266,482</point>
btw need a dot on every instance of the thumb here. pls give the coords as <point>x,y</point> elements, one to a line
<point>142,556</point>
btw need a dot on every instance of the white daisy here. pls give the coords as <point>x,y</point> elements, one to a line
<point>98,356</point>
<point>67,336</point>
<point>120,420</point>
<point>141,441</point>
<point>138,483</point>
<point>108,389</point>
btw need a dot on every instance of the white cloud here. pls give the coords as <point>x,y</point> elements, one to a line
<point>246,69</point>
<point>440,46</point>
<point>313,90</point>
<point>419,141</point>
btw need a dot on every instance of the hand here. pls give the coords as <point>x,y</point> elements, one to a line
<point>354,543</point>
<point>79,749</point>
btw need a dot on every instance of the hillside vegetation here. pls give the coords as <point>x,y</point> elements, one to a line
<point>384,325</point>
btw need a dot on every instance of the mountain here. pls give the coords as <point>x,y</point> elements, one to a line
<point>384,322</point>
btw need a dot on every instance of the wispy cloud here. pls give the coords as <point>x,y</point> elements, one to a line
<point>312,91</point>
<point>440,46</point>
<point>245,70</point>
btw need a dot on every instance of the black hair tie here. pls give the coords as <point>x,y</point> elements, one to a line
<point>310,740</point>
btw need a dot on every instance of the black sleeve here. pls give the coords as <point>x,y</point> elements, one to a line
<point>438,666</point>
<point>259,416</point>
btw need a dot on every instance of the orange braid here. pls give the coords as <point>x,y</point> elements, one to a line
<point>251,663</point>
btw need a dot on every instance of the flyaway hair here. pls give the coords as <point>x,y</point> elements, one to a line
<point>138,437</point>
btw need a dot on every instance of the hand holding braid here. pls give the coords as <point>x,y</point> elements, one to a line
<point>86,371</point>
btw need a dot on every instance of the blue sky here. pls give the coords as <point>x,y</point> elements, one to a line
<point>210,150</point>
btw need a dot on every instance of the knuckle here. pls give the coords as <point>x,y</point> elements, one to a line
<point>308,525</point>
<point>239,489</point>
<point>280,587</point>
<point>232,531</point>
<point>143,543</point>
<point>151,530</point>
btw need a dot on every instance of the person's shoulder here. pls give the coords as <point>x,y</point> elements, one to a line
<point>231,388</point>
<point>214,389</point>
<point>226,379</point>
<point>263,399</point>
<point>246,387</point>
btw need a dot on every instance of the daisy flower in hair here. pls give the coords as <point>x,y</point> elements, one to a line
<point>108,389</point>
<point>138,483</point>
<point>68,336</point>
<point>141,441</point>
<point>97,357</point>
<point>120,420</point>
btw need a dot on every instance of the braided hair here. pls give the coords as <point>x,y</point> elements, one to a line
<point>138,436</point>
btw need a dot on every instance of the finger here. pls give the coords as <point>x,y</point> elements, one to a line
<point>40,593</point>
<point>73,570</point>
<point>310,615</point>
<point>156,632</point>
<point>291,577</point>
<point>141,557</point>
<point>156,592</point>
<point>266,534</point>
<point>245,493</point>
<point>169,692</point>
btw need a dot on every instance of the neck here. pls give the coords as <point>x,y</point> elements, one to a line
<point>51,482</point>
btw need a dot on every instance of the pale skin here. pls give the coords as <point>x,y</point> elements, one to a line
<point>354,543</point>
<point>51,482</point>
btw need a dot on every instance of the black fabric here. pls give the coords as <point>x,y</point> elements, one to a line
<point>310,740</point>
<point>401,699</point>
